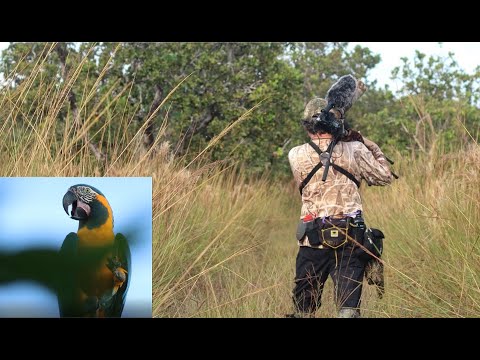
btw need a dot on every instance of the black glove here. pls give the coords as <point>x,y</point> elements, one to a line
<point>352,135</point>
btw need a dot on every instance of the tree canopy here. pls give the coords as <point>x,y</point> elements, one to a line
<point>201,88</point>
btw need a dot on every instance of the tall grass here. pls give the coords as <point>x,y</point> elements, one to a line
<point>223,245</point>
<point>431,218</point>
<point>230,248</point>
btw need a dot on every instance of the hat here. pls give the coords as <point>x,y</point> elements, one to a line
<point>315,106</point>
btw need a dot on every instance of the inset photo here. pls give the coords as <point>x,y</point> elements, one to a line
<point>76,247</point>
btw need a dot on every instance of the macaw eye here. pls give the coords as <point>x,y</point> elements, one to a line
<point>86,194</point>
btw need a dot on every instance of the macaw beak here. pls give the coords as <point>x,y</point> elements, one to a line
<point>80,210</point>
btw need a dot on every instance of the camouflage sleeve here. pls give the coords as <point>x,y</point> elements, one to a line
<point>375,149</point>
<point>373,166</point>
<point>292,155</point>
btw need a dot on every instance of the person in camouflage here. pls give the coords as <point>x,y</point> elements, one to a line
<point>332,201</point>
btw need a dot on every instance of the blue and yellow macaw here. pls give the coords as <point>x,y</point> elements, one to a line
<point>99,284</point>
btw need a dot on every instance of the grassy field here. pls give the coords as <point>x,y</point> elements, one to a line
<point>224,245</point>
<point>229,250</point>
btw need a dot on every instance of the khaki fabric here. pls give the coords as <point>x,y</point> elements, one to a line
<point>338,196</point>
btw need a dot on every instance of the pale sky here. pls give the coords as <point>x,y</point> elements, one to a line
<point>467,54</point>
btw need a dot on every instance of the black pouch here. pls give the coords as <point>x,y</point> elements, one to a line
<point>373,242</point>
<point>333,232</point>
<point>310,229</point>
<point>312,232</point>
<point>301,229</point>
<point>357,230</point>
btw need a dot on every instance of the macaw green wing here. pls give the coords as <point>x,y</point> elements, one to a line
<point>122,254</point>
<point>68,294</point>
<point>69,246</point>
<point>40,265</point>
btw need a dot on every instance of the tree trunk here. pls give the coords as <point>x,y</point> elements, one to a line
<point>149,137</point>
<point>62,52</point>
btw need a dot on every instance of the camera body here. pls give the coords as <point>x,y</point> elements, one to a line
<point>327,122</point>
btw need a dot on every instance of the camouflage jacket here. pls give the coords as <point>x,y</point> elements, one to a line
<point>338,196</point>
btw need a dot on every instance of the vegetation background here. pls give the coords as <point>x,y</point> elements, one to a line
<point>212,123</point>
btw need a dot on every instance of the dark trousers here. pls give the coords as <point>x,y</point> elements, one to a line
<point>313,266</point>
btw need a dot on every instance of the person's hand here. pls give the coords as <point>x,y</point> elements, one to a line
<point>352,135</point>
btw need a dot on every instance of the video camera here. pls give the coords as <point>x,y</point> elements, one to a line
<point>341,97</point>
<point>327,122</point>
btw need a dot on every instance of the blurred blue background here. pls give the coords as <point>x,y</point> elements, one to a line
<point>31,215</point>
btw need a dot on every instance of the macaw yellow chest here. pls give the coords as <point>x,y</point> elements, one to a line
<point>101,234</point>
<point>96,237</point>
<point>96,279</point>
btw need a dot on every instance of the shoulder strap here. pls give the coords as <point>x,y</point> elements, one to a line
<point>309,177</point>
<point>319,165</point>
<point>315,169</point>
<point>317,149</point>
<point>346,173</point>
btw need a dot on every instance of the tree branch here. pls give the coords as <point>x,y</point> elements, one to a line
<point>195,127</point>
